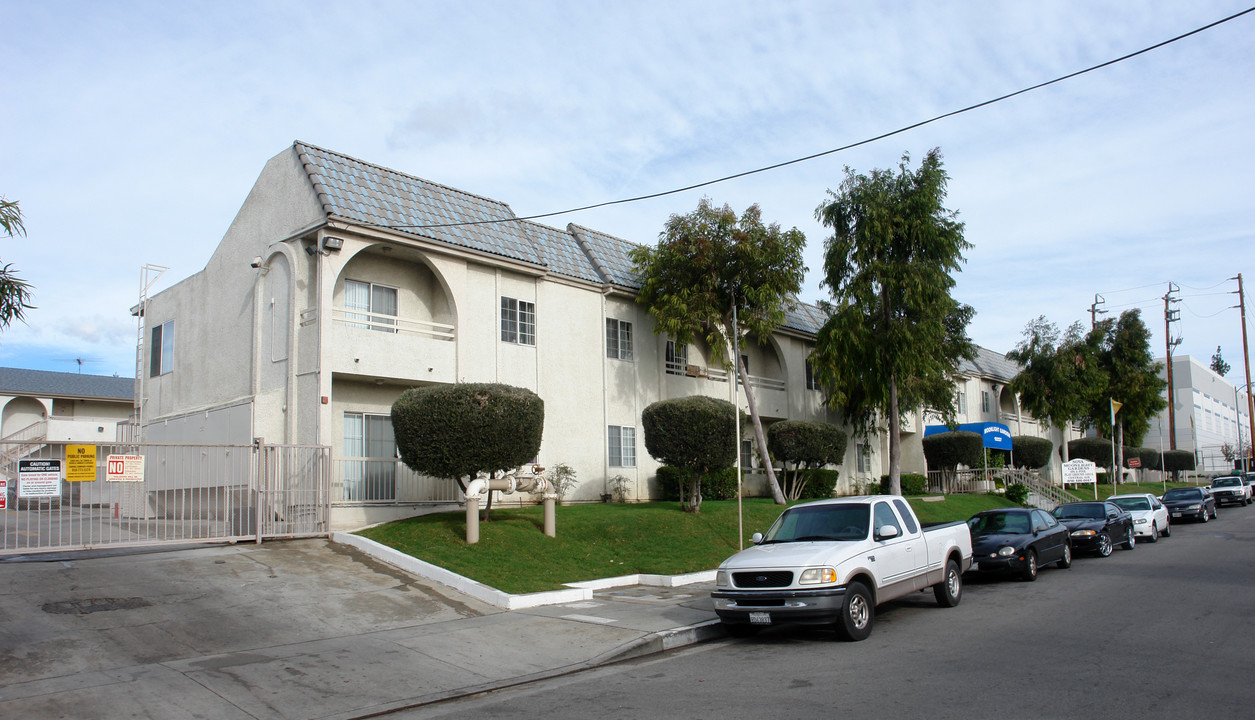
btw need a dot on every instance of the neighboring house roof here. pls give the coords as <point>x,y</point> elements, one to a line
<point>44,383</point>
<point>990,364</point>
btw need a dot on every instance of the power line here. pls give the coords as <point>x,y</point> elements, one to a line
<point>843,148</point>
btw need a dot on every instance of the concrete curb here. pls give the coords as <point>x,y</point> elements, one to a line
<point>577,592</point>
<point>664,640</point>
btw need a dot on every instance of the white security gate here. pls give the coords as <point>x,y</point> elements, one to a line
<point>75,496</point>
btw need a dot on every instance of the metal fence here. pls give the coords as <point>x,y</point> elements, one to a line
<point>74,496</point>
<point>361,480</point>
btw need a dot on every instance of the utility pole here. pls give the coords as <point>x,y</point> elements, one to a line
<point>1170,316</point>
<point>1094,312</point>
<point>1246,357</point>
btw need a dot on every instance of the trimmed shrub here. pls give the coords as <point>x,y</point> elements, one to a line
<point>912,484</point>
<point>1095,450</point>
<point>1178,460</point>
<point>1030,452</point>
<point>804,445</point>
<point>715,485</point>
<point>1017,493</point>
<point>694,434</point>
<point>456,431</point>
<point>821,483</point>
<point>946,451</point>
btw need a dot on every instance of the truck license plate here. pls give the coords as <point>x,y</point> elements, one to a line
<point>760,618</point>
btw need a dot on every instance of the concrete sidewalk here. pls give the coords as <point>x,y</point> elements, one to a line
<point>297,629</point>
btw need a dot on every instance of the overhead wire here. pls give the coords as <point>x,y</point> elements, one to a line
<point>882,136</point>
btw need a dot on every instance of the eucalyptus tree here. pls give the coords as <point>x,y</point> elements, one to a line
<point>894,335</point>
<point>15,293</point>
<point>711,266</point>
<point>1061,375</point>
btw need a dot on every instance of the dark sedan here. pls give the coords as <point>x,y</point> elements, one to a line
<point>1018,541</point>
<point>1190,502</point>
<point>1097,526</point>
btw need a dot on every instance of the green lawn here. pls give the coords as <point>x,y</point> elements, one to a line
<point>603,540</point>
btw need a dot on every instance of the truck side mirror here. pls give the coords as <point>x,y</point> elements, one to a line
<point>756,538</point>
<point>885,532</point>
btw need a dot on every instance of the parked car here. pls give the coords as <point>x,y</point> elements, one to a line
<point>1231,489</point>
<point>1097,526</point>
<point>1018,541</point>
<point>831,562</point>
<point>1190,502</point>
<point>1150,518</point>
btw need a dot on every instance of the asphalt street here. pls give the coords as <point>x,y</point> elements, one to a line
<point>1160,631</point>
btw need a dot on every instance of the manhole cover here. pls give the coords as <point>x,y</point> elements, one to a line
<point>84,607</point>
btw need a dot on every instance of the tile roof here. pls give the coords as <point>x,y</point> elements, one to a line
<point>44,383</point>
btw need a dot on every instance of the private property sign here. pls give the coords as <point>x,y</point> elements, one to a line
<point>124,468</point>
<point>38,478</point>
<point>1080,471</point>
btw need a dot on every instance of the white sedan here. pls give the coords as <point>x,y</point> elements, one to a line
<point>1150,517</point>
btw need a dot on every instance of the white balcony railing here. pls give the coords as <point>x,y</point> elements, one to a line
<point>393,324</point>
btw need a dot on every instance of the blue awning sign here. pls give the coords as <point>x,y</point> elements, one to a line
<point>995,435</point>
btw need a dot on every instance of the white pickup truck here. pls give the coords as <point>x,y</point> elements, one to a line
<point>831,562</point>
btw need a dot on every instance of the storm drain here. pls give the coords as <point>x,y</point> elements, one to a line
<point>86,607</point>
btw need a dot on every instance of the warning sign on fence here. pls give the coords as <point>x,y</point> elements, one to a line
<point>124,468</point>
<point>38,478</point>
<point>80,463</point>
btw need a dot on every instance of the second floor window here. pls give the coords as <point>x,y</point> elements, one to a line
<point>960,401</point>
<point>518,321</point>
<point>367,305</point>
<point>984,401</point>
<point>618,339</point>
<point>811,382</point>
<point>677,358</point>
<point>161,354</point>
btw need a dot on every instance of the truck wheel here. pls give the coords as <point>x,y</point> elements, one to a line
<point>857,613</point>
<point>1029,574</point>
<point>950,590</point>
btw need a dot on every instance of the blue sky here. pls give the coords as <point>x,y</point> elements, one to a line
<point>133,131</point>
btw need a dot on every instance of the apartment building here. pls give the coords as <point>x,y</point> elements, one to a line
<point>1211,414</point>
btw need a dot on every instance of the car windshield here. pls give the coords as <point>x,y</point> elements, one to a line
<point>1132,503</point>
<point>1226,482</point>
<point>1080,510</point>
<point>1183,494</point>
<point>999,523</point>
<point>848,521</point>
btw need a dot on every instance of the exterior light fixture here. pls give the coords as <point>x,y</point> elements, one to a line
<point>333,243</point>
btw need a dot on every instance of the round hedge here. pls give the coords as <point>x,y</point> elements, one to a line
<point>1031,452</point>
<point>807,443</point>
<point>695,433</point>
<point>456,431</point>
<point>950,449</point>
<point>1095,450</point>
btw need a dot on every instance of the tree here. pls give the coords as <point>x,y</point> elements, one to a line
<point>459,431</point>
<point>15,293</point>
<point>696,434</point>
<point>1060,376</point>
<point>806,445</point>
<point>710,265</point>
<point>1123,351</point>
<point>1218,365</point>
<point>894,335</point>
<point>946,451</point>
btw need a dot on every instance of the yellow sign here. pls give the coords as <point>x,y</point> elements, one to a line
<point>1115,407</point>
<point>80,463</point>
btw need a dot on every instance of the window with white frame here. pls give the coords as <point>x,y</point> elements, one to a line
<point>863,458</point>
<point>161,353</point>
<point>747,454</point>
<point>622,446</point>
<point>618,339</point>
<point>984,401</point>
<point>368,305</point>
<point>960,401</point>
<point>518,321</point>
<point>677,358</point>
<point>370,458</point>
<point>812,383</point>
